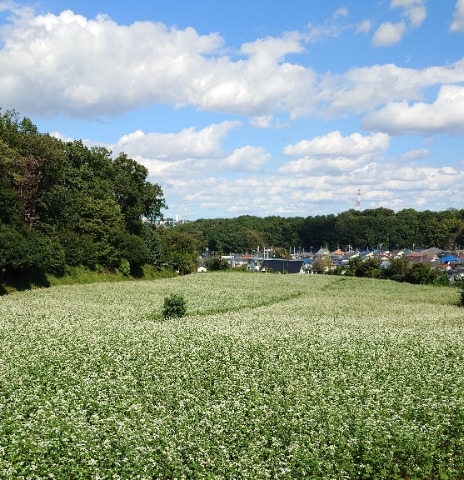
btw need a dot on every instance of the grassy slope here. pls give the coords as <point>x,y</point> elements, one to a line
<point>78,276</point>
<point>270,376</point>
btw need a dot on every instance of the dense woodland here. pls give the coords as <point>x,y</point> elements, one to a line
<point>377,228</point>
<point>63,204</point>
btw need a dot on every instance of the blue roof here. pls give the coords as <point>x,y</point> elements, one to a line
<point>449,258</point>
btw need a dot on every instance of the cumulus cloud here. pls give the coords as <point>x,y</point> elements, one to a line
<point>175,159</point>
<point>327,165</point>
<point>362,89</point>
<point>246,159</point>
<point>335,144</point>
<point>89,67</point>
<point>457,24</point>
<point>446,114</point>
<point>188,143</point>
<point>388,34</point>
<point>117,68</point>
<point>334,153</point>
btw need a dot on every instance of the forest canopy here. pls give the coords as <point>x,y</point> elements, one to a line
<point>62,203</point>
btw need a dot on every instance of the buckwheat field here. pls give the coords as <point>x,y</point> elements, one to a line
<point>268,376</point>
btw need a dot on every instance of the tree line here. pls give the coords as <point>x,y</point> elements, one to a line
<point>64,204</point>
<point>367,229</point>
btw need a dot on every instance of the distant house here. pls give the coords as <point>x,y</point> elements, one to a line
<point>282,266</point>
<point>322,252</point>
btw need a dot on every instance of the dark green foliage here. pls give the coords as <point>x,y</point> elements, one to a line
<point>174,306</point>
<point>358,267</point>
<point>134,250</point>
<point>217,263</point>
<point>62,203</point>
<point>371,229</point>
<point>23,250</point>
<point>179,250</point>
<point>154,244</point>
<point>399,270</point>
<point>441,280</point>
<point>420,273</point>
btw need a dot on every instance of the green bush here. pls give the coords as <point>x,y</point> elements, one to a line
<point>124,267</point>
<point>174,306</point>
<point>216,264</point>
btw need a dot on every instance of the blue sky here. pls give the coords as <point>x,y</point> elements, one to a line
<point>253,107</point>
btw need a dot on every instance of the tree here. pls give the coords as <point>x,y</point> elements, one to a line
<point>254,240</point>
<point>398,269</point>
<point>10,206</point>
<point>135,196</point>
<point>179,250</point>
<point>280,252</point>
<point>217,263</point>
<point>370,267</point>
<point>27,187</point>
<point>320,265</point>
<point>154,244</point>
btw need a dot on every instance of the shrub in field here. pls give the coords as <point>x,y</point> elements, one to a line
<point>174,306</point>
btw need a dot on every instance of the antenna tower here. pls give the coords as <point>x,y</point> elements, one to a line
<point>184,211</point>
<point>358,199</point>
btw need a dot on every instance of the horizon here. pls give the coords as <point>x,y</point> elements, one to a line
<point>253,109</point>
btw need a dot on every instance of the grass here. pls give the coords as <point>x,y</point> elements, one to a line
<point>77,276</point>
<point>269,376</point>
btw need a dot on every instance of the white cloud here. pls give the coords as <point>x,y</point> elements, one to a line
<point>341,12</point>
<point>118,68</point>
<point>446,114</point>
<point>388,34</point>
<point>362,89</point>
<point>364,26</point>
<point>414,10</point>
<point>68,63</point>
<point>334,154</point>
<point>416,154</point>
<point>457,24</point>
<point>61,136</point>
<point>246,158</point>
<point>264,121</point>
<point>288,194</point>
<point>188,143</point>
<point>335,144</point>
<point>177,159</point>
<point>324,166</point>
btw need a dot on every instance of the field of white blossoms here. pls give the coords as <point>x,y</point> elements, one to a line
<point>268,376</point>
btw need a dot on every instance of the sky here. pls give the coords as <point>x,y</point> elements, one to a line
<point>252,107</point>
